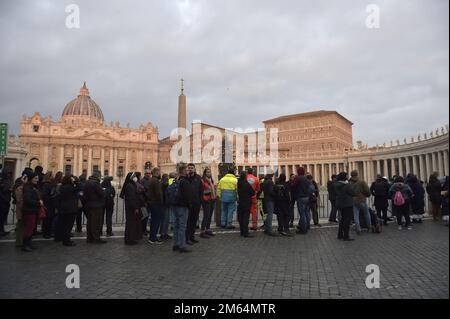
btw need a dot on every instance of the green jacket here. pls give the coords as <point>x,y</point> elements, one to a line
<point>361,190</point>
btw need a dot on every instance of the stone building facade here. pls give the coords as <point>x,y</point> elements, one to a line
<point>81,142</point>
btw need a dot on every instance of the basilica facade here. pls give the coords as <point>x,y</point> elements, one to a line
<point>80,142</point>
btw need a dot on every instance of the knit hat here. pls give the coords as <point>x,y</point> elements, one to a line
<point>342,176</point>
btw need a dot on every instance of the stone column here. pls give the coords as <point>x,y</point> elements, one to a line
<point>127,164</point>
<point>379,167</point>
<point>415,167</point>
<point>116,163</point>
<point>408,165</point>
<point>80,160</point>
<point>61,159</point>
<point>433,162</point>
<point>393,171</point>
<point>45,160</point>
<point>102,161</point>
<point>111,162</point>
<point>386,169</point>
<point>445,163</point>
<point>428,166</point>
<point>364,172</point>
<point>75,161</point>
<point>423,174</point>
<point>322,174</point>
<point>400,167</point>
<point>440,164</point>
<point>89,168</point>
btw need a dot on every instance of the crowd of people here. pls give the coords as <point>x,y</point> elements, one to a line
<point>156,201</point>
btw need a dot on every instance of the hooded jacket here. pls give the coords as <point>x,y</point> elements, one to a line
<point>360,188</point>
<point>344,194</point>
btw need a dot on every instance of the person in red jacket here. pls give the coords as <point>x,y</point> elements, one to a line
<point>254,182</point>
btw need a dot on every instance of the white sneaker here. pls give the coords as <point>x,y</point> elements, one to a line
<point>409,228</point>
<point>154,242</point>
<point>399,227</point>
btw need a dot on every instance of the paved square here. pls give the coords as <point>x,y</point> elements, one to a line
<point>413,264</point>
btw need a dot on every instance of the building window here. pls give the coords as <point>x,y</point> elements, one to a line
<point>36,128</point>
<point>106,172</point>
<point>95,169</point>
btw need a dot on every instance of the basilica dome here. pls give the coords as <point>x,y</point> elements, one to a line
<point>83,107</point>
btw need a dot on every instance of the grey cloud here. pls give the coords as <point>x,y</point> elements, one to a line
<point>243,61</point>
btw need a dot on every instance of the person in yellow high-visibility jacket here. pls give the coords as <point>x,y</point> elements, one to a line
<point>227,193</point>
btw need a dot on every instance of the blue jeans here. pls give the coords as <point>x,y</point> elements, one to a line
<point>227,210</point>
<point>303,212</point>
<point>156,210</point>
<point>269,216</point>
<point>164,227</point>
<point>180,215</point>
<point>357,208</point>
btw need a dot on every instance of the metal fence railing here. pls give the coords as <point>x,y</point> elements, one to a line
<point>324,208</point>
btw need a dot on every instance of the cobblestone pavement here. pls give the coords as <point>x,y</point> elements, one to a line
<point>413,264</point>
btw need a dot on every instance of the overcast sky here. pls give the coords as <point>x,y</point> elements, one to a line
<point>243,61</point>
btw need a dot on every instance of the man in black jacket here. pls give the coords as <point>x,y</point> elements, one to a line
<point>194,211</point>
<point>180,209</point>
<point>94,201</point>
<point>380,190</point>
<point>301,191</point>
<point>344,202</point>
<point>332,198</point>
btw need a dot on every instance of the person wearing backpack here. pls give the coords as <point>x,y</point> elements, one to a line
<point>245,199</point>
<point>362,192</point>
<point>380,191</point>
<point>282,204</point>
<point>179,198</point>
<point>401,195</point>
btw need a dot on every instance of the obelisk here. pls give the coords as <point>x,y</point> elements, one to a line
<point>182,108</point>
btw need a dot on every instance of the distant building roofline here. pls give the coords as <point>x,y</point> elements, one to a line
<point>306,114</point>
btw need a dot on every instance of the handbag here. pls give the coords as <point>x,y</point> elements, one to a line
<point>42,214</point>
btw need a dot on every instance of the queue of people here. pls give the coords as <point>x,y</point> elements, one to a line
<point>156,201</point>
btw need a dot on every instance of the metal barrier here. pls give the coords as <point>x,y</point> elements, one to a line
<point>324,209</point>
